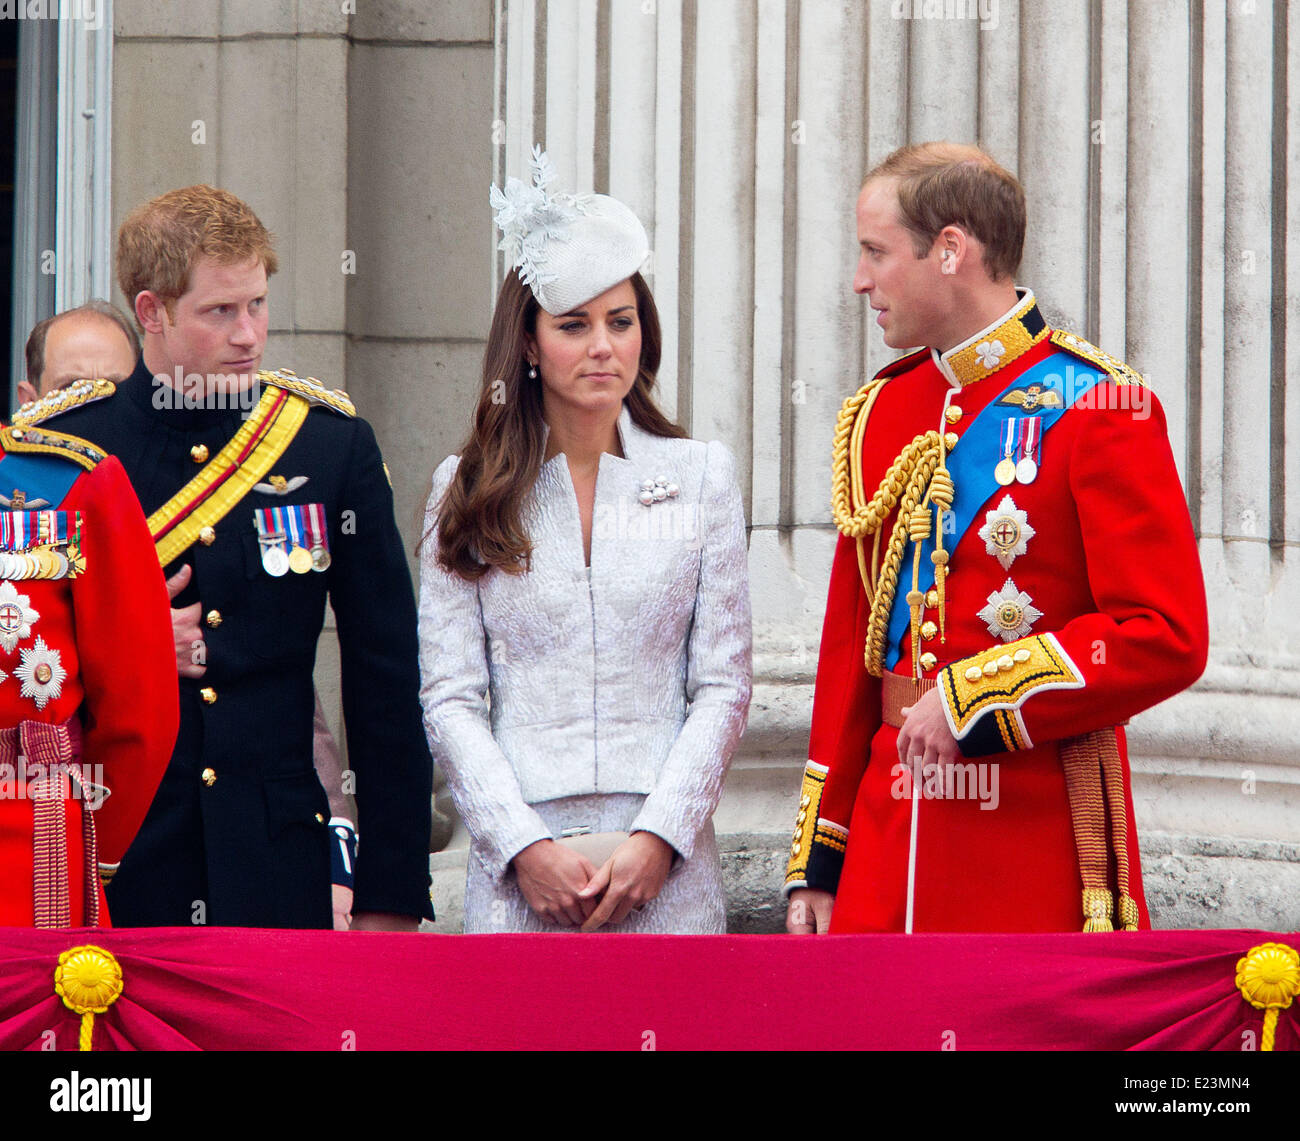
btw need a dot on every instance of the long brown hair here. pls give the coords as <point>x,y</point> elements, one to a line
<point>480,520</point>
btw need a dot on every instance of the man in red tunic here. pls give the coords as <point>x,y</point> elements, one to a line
<point>1016,576</point>
<point>88,705</point>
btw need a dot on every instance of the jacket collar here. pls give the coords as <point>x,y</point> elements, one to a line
<point>997,345</point>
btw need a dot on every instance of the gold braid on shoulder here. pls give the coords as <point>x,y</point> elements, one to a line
<point>910,484</point>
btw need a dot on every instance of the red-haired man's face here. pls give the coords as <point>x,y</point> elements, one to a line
<point>216,328</point>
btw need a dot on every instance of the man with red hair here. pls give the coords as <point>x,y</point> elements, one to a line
<point>266,495</point>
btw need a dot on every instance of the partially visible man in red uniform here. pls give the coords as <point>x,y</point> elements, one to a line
<point>88,704</point>
<point>1016,576</point>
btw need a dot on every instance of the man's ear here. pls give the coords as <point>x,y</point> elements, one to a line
<point>150,311</point>
<point>955,247</point>
<point>26,392</point>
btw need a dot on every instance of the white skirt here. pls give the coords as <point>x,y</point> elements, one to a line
<point>692,901</point>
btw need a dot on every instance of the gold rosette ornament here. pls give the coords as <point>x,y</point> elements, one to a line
<point>89,980</point>
<point>1268,978</point>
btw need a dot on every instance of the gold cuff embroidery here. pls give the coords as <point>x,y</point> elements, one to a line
<point>1001,678</point>
<point>806,823</point>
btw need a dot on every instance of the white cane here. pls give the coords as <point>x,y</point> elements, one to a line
<point>911,846</point>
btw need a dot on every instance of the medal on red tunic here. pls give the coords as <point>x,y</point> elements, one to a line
<point>1005,472</point>
<point>1031,435</point>
<point>1006,532</point>
<point>30,542</point>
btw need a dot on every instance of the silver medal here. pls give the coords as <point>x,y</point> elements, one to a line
<point>275,561</point>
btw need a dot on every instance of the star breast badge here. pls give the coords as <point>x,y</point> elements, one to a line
<point>16,617</point>
<point>1006,532</point>
<point>1010,613</point>
<point>41,673</point>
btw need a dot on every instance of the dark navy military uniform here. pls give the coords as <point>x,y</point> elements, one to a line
<point>240,821</point>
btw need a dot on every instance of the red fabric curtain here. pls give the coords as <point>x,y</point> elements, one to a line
<point>232,989</point>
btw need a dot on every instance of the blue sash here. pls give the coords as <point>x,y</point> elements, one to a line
<point>39,476</point>
<point>971,466</point>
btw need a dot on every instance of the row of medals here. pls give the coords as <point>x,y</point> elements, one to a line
<point>277,561</point>
<point>39,562</point>
<point>1008,471</point>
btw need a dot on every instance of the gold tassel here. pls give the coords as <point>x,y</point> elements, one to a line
<point>1128,912</point>
<point>941,495</point>
<point>1097,905</point>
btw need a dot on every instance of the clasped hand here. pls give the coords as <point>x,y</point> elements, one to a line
<point>565,888</point>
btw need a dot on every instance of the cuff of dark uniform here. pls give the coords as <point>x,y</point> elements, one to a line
<point>343,852</point>
<point>820,872</point>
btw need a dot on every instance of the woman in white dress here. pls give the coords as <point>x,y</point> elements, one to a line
<point>584,600</point>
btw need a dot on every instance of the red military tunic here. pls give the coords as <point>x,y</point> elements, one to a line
<point>1093,609</point>
<point>89,678</point>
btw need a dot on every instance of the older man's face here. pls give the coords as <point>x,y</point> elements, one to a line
<point>84,346</point>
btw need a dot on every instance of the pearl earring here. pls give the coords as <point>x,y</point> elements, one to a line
<point>532,373</point>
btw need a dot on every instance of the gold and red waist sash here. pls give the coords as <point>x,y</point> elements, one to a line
<point>41,762</point>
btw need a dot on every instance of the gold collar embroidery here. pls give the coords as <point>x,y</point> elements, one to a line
<point>996,346</point>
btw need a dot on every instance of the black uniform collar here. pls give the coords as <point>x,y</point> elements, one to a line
<point>163,403</point>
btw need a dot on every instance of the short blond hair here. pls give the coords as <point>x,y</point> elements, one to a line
<point>953,184</point>
<point>159,242</point>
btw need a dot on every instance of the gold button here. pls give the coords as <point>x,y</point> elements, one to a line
<point>794,848</point>
<point>801,817</point>
<point>932,598</point>
<point>43,673</point>
<point>990,668</point>
<point>928,661</point>
<point>209,777</point>
<point>952,414</point>
<point>214,618</point>
<point>974,673</point>
<point>1022,656</point>
<point>319,818</point>
<point>199,453</point>
<point>950,440</point>
<point>928,629</point>
<point>805,800</point>
<point>208,694</point>
<point>207,536</point>
<point>1005,663</point>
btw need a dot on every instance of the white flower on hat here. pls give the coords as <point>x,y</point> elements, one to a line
<point>566,248</point>
<point>529,219</point>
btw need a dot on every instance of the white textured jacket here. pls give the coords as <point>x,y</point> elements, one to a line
<point>543,685</point>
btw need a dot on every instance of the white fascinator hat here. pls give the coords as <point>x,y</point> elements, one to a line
<point>567,248</point>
